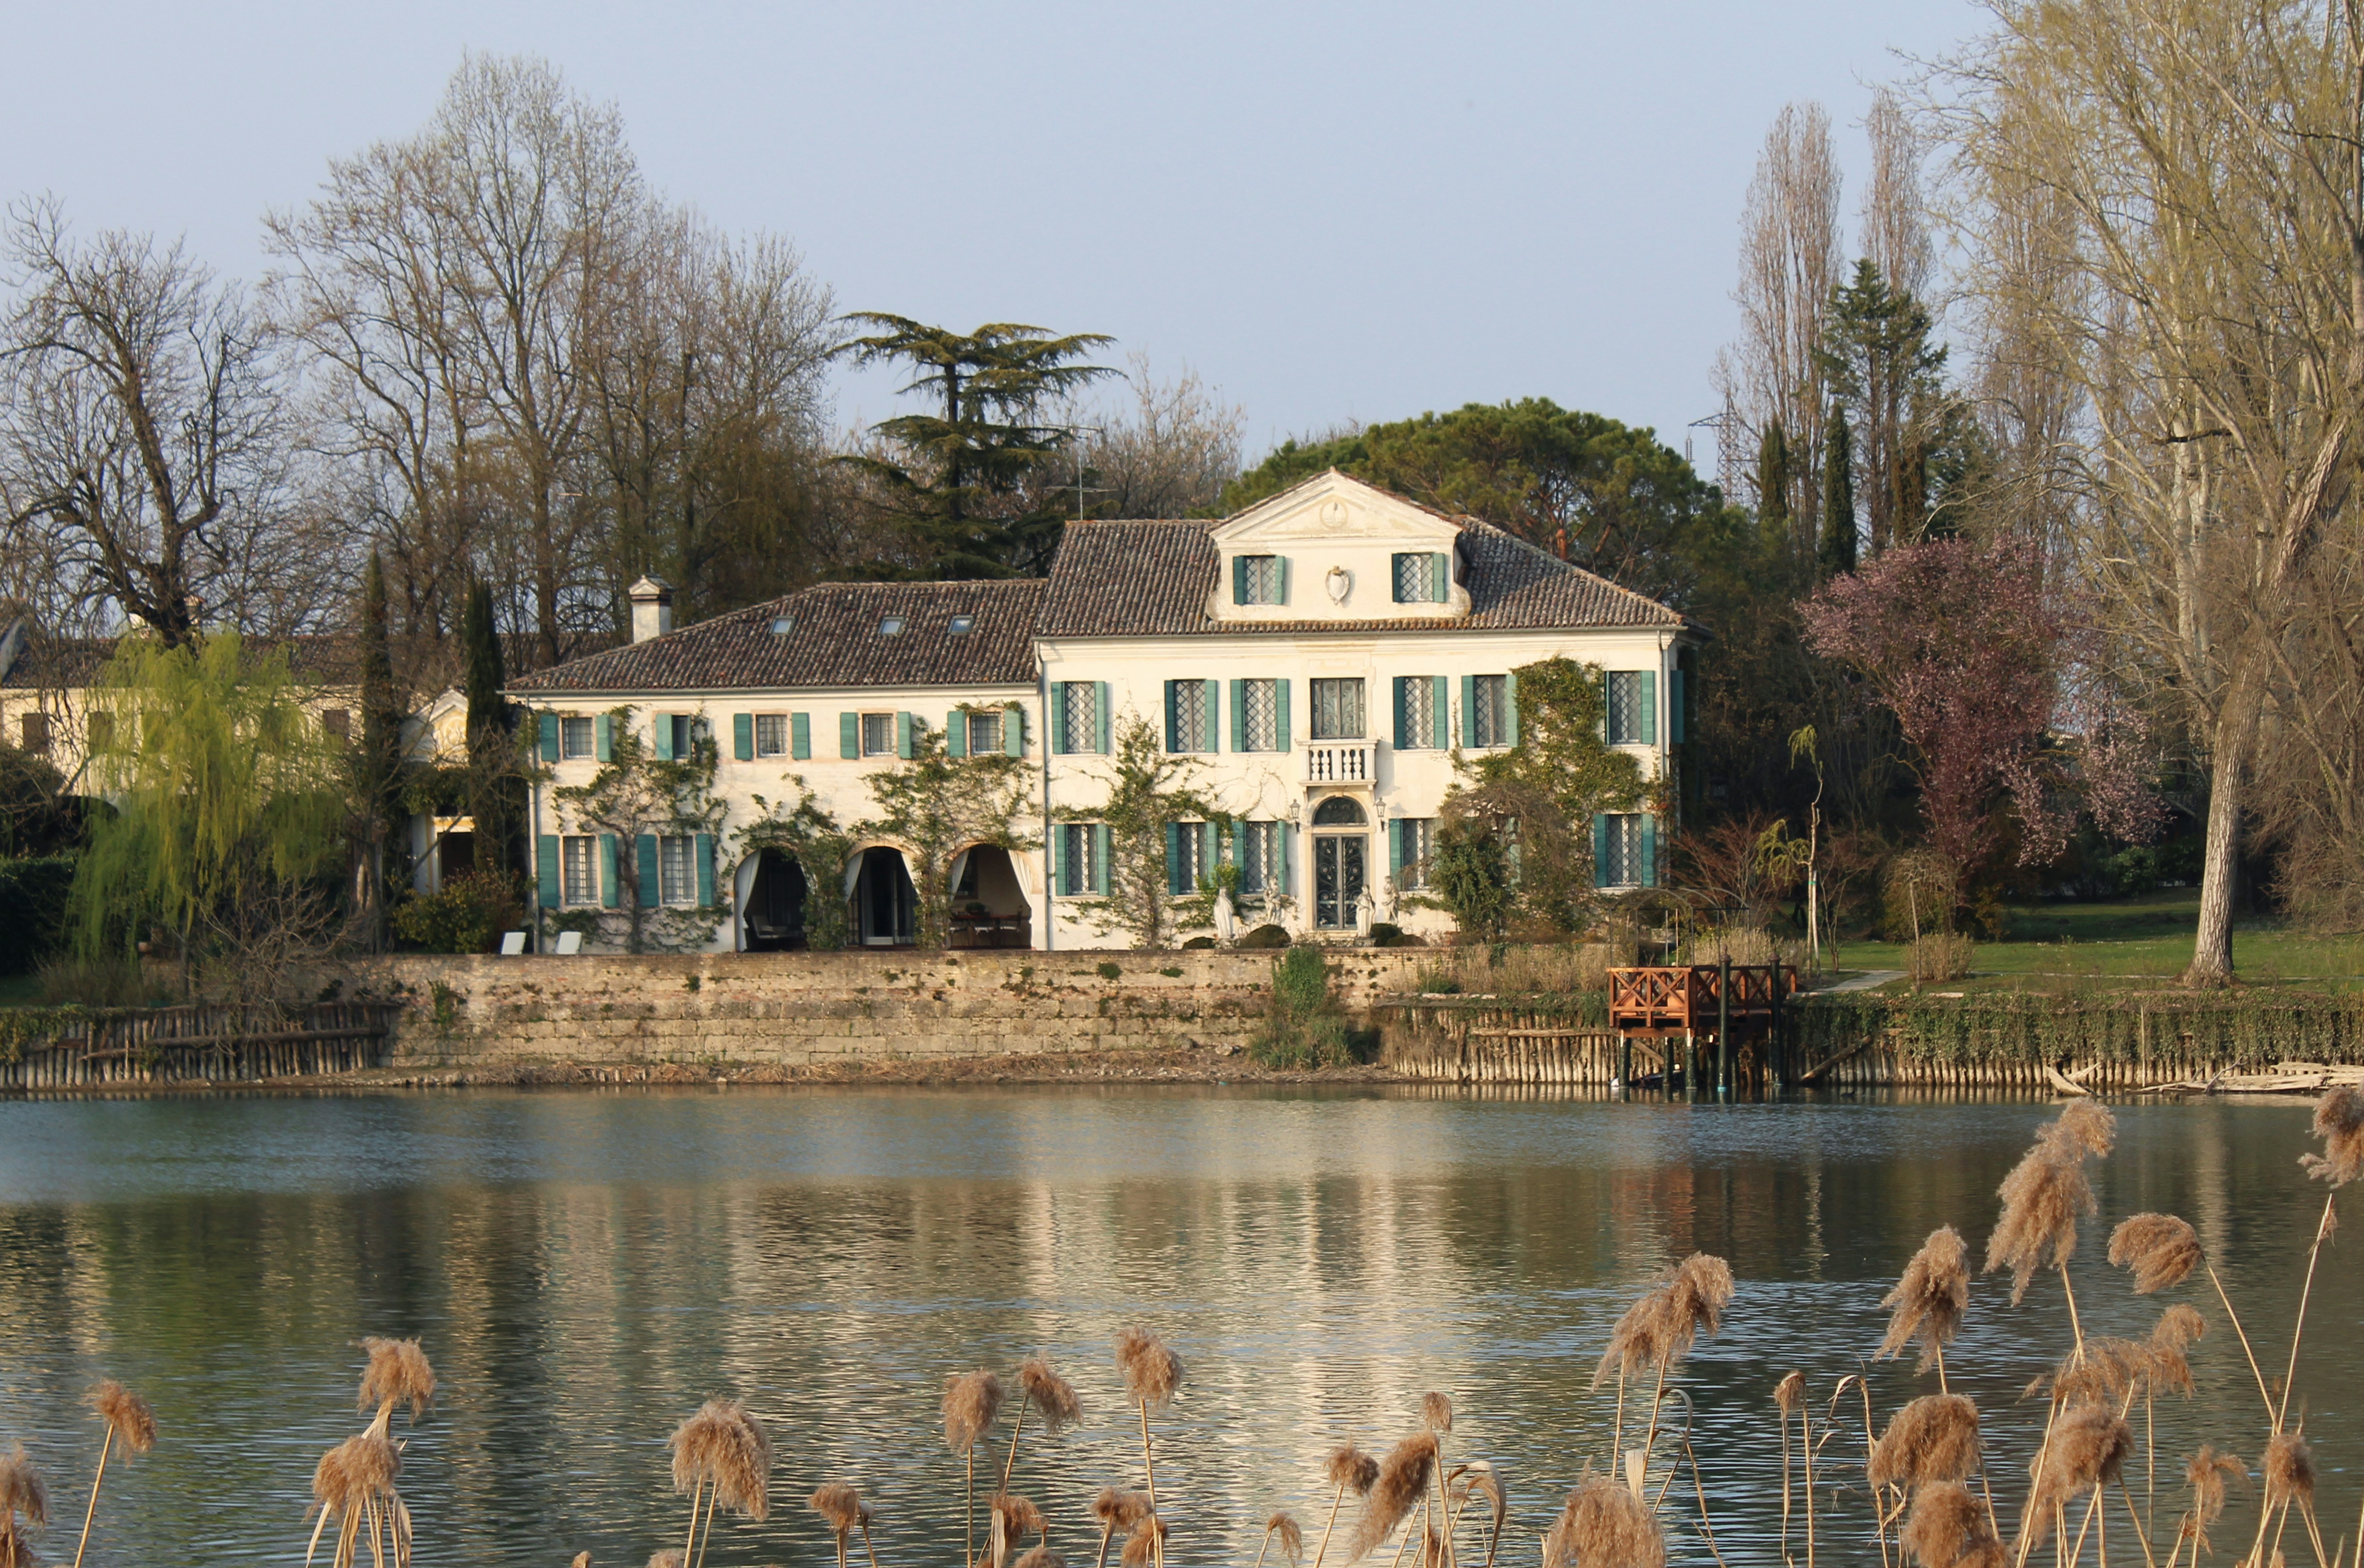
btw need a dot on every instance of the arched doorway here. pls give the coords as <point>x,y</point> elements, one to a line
<point>1339,862</point>
<point>988,901</point>
<point>774,908</point>
<point>886,905</point>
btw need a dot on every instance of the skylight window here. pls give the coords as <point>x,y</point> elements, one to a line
<point>892,625</point>
<point>960,625</point>
<point>783,625</point>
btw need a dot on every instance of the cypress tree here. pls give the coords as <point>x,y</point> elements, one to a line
<point>497,800</point>
<point>379,767</point>
<point>1838,495</point>
<point>1773,485</point>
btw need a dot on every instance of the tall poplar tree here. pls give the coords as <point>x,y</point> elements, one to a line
<point>1773,485</point>
<point>1839,494</point>
<point>496,786</point>
<point>378,768</point>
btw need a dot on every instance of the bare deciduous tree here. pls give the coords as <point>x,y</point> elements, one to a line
<point>1167,456</point>
<point>2188,228</point>
<point>143,465</point>
<point>1789,263</point>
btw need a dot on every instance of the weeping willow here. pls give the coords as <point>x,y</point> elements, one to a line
<point>229,820</point>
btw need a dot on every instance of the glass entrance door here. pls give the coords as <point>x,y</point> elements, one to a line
<point>1337,880</point>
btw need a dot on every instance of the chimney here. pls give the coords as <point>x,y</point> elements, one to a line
<point>651,609</point>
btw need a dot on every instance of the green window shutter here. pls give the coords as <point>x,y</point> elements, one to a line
<point>1239,579</point>
<point>706,870</point>
<point>743,737</point>
<point>1013,731</point>
<point>1600,690</point>
<point>549,737</point>
<point>1059,738</point>
<point>1239,716</point>
<point>612,892</point>
<point>1213,739</point>
<point>1469,710</point>
<point>1101,717</point>
<point>1100,858</point>
<point>1174,859</point>
<point>800,736</point>
<point>1676,729</point>
<point>545,866</point>
<point>1281,561</point>
<point>1511,708</point>
<point>1439,715</point>
<point>1649,707</point>
<point>1395,575</point>
<point>1172,720</point>
<point>1288,861</point>
<point>1403,719</point>
<point>1280,731</point>
<point>1440,579</point>
<point>660,731</point>
<point>603,737</point>
<point>645,858</point>
<point>1395,849</point>
<point>848,735</point>
<point>1599,849</point>
<point>903,726</point>
<point>1060,883</point>
<point>1649,851</point>
<point>955,734</point>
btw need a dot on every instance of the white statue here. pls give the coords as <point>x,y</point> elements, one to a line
<point>1227,920</point>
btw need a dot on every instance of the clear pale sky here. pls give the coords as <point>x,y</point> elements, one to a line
<point>1331,211</point>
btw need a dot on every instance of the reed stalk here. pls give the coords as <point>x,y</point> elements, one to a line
<point>2322,1228</point>
<point>1149,1470</point>
<point>689,1547</point>
<point>106,1445</point>
<point>2246,1350</point>
<point>2142,1535</point>
<point>1337,1499</point>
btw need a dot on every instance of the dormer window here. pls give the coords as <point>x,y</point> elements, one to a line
<point>892,625</point>
<point>1423,578</point>
<point>959,624</point>
<point>1259,580</point>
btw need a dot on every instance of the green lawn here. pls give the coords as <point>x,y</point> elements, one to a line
<point>2135,942</point>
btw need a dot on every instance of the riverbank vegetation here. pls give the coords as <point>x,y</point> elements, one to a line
<point>2113,1468</point>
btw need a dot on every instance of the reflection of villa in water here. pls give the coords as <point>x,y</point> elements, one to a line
<point>1322,658</point>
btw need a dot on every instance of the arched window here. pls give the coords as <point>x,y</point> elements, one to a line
<point>1338,811</point>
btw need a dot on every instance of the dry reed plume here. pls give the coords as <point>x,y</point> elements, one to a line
<point>2159,1249</point>
<point>842,1508</point>
<point>1009,1520</point>
<point>23,1492</point>
<point>1040,1557</point>
<point>972,1401</point>
<point>1151,1374</point>
<point>1478,1480</point>
<point>1145,1545</point>
<point>1604,1526</point>
<point>397,1374</point>
<point>1659,1330</point>
<point>2086,1448</point>
<point>723,1455</point>
<point>2207,1475</point>
<point>2176,1327</point>
<point>1929,1301</point>
<point>1048,1393</point>
<point>668,1558</point>
<point>2045,1196</point>
<point>1949,1528</point>
<point>1789,1394</point>
<point>1934,1438</point>
<point>1348,1469</point>
<point>1283,1525</point>
<point>1119,1512</point>
<point>2339,1122</point>
<point>355,1480</point>
<point>1403,1483</point>
<point>2290,1471</point>
<point>129,1422</point>
<point>1437,1413</point>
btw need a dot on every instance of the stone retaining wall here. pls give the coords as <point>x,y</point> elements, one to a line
<point>805,1009</point>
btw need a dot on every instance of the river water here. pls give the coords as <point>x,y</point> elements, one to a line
<point>585,1267</point>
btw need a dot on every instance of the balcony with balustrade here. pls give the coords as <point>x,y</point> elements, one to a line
<point>1333,764</point>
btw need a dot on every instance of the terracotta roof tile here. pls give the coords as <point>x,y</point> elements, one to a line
<point>835,640</point>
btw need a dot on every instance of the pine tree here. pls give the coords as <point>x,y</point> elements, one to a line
<point>964,496</point>
<point>1773,485</point>
<point>1838,552</point>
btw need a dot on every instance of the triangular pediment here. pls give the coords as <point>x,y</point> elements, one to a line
<point>1334,508</point>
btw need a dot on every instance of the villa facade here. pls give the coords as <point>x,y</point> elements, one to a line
<point>1323,660</point>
